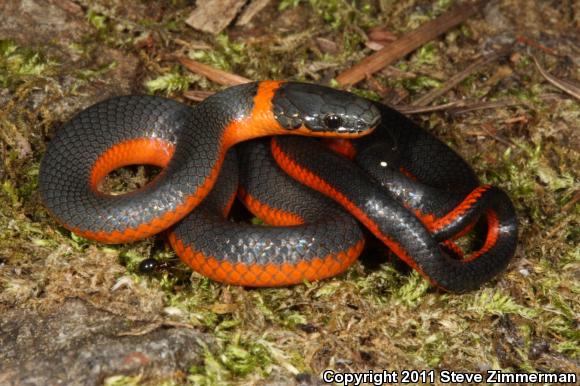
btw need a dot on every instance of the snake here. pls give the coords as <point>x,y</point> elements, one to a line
<point>410,190</point>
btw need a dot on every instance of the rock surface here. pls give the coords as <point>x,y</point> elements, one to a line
<point>90,346</point>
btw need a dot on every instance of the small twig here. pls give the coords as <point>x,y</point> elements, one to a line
<point>564,85</point>
<point>219,76</point>
<point>377,86</point>
<point>457,78</point>
<point>486,105</point>
<point>197,95</point>
<point>410,109</point>
<point>69,6</point>
<point>399,74</point>
<point>408,43</point>
<point>572,202</point>
<point>532,43</point>
<point>519,119</point>
<point>458,107</point>
<point>488,128</point>
<point>465,106</point>
<point>192,46</point>
<point>394,97</point>
<point>251,10</point>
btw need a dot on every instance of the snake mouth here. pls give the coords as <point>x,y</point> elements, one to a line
<point>352,133</point>
<point>360,126</point>
<point>346,130</point>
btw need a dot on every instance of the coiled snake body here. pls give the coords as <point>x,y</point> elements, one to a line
<point>408,188</point>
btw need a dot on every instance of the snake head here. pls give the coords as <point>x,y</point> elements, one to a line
<point>322,110</point>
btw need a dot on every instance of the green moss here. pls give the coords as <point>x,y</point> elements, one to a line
<point>285,4</point>
<point>169,83</point>
<point>18,64</point>
<point>412,292</point>
<point>416,19</point>
<point>27,186</point>
<point>369,94</point>
<point>394,317</point>
<point>434,348</point>
<point>236,358</point>
<point>97,20</point>
<point>211,373</point>
<point>380,285</point>
<point>78,243</point>
<point>427,54</point>
<point>421,83</point>
<point>242,361</point>
<point>524,62</point>
<point>443,5</point>
<point>351,42</point>
<point>340,13</point>
<point>224,55</point>
<point>11,192</point>
<point>88,74</point>
<point>495,302</point>
<point>123,380</point>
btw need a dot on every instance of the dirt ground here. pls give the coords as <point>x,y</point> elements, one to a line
<point>79,312</point>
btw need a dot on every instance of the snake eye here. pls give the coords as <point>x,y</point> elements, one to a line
<point>333,121</point>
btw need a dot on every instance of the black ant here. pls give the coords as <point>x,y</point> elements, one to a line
<point>151,265</point>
